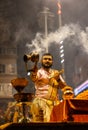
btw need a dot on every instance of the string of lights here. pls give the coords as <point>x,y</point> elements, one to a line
<point>61,45</point>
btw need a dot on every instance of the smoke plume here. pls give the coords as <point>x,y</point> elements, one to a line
<point>40,43</point>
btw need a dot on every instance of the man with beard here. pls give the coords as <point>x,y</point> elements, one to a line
<point>47,82</point>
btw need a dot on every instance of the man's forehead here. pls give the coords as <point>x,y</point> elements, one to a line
<point>47,56</point>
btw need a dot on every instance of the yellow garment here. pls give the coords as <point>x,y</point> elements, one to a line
<point>47,84</point>
<point>44,105</point>
<point>53,90</point>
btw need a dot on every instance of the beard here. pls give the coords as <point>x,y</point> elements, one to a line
<point>47,65</point>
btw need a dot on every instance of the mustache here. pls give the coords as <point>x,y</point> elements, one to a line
<point>47,65</point>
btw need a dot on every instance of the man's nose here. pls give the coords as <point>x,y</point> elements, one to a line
<point>47,59</point>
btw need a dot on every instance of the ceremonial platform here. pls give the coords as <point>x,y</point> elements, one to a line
<point>70,114</point>
<point>47,126</point>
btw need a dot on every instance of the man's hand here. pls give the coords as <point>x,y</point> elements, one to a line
<point>35,68</point>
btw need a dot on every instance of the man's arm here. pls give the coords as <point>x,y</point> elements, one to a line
<point>33,74</point>
<point>67,91</point>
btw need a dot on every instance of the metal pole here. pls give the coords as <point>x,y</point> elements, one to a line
<point>46,24</point>
<point>60,20</point>
<point>46,30</point>
<point>47,14</point>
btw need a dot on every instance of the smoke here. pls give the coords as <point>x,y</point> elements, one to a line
<point>41,44</point>
<point>22,33</point>
<point>83,38</point>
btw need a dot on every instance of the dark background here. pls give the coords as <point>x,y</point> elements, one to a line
<point>20,22</point>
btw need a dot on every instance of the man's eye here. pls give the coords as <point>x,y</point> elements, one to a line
<point>50,59</point>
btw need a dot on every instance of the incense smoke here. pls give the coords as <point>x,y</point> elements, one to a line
<point>40,43</point>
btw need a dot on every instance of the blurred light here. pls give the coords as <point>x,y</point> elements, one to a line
<point>61,47</point>
<point>81,88</point>
<point>62,61</point>
<point>61,42</point>
<point>61,51</point>
<point>62,55</point>
<point>59,7</point>
<point>28,73</point>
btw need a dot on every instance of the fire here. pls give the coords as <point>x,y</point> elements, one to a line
<point>59,7</point>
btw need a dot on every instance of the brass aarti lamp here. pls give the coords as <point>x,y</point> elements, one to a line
<point>19,84</point>
<point>23,100</point>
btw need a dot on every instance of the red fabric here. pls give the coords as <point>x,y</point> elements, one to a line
<point>70,110</point>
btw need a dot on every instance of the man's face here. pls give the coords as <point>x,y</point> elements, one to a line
<point>47,61</point>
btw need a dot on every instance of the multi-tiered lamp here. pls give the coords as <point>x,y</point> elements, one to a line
<point>19,84</point>
<point>22,109</point>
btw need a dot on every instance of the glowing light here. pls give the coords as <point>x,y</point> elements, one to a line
<point>59,7</point>
<point>61,47</point>
<point>81,88</point>
<point>62,55</point>
<point>28,73</point>
<point>62,61</point>
<point>61,51</point>
<point>61,42</point>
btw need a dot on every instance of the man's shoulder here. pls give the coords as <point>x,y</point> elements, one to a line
<point>40,70</point>
<point>55,70</point>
